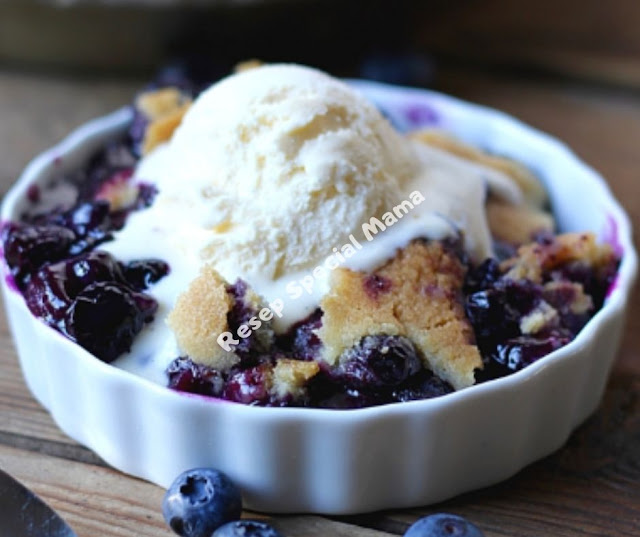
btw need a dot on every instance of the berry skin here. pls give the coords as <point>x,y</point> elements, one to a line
<point>443,525</point>
<point>249,386</point>
<point>377,362</point>
<point>142,274</point>
<point>188,376</point>
<point>246,528</point>
<point>26,248</point>
<point>106,316</point>
<point>200,501</point>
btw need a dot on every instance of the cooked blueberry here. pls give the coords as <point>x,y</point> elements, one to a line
<point>97,266</point>
<point>423,385</point>
<point>26,247</point>
<point>301,340</point>
<point>142,274</point>
<point>106,316</point>
<point>520,352</point>
<point>483,276</point>
<point>187,376</point>
<point>112,159</point>
<point>376,285</point>
<point>443,525</point>
<point>199,501</point>
<point>378,361</point>
<point>259,341</point>
<point>246,528</point>
<point>88,217</point>
<point>249,386</point>
<point>46,295</point>
<point>52,289</point>
<point>338,397</point>
<point>496,312</point>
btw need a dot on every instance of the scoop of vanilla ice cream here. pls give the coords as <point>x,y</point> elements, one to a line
<point>269,173</point>
<point>272,167</point>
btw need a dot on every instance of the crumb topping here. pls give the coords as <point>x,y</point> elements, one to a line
<point>532,260</point>
<point>199,316</point>
<point>291,376</point>
<point>424,303</point>
<point>517,224</point>
<point>164,108</point>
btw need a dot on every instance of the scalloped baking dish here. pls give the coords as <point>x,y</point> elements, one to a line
<point>349,461</point>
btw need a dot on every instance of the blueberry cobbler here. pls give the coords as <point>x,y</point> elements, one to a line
<point>273,241</point>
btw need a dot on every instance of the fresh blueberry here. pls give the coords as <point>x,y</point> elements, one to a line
<point>443,525</point>
<point>246,528</point>
<point>200,501</point>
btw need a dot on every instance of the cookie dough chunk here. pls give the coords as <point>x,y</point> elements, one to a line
<point>164,108</point>
<point>290,377</point>
<point>199,316</point>
<point>517,224</point>
<point>417,295</point>
<point>535,259</point>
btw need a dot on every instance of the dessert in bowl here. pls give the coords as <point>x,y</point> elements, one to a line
<point>287,247</point>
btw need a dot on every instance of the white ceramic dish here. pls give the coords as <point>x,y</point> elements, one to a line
<point>338,462</point>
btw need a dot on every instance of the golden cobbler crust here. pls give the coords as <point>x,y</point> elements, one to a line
<point>516,224</point>
<point>164,108</point>
<point>199,316</point>
<point>417,295</point>
<point>290,377</point>
<point>532,260</point>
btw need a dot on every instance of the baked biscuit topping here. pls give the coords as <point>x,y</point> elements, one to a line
<point>418,294</point>
<point>270,170</point>
<point>199,315</point>
<point>164,109</point>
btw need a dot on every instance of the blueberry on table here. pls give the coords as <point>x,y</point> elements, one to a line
<point>443,525</point>
<point>200,501</point>
<point>246,528</point>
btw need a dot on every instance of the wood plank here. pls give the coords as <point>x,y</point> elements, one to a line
<point>590,487</point>
<point>101,501</point>
<point>93,500</point>
<point>314,526</point>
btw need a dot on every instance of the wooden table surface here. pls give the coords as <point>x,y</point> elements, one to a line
<point>589,487</point>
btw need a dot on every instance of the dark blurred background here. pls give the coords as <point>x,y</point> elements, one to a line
<point>402,41</point>
<point>570,67</point>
